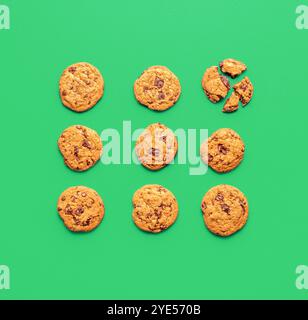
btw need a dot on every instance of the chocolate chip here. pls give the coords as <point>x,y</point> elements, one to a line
<point>79,210</point>
<point>72,69</point>
<point>225,208</point>
<point>68,209</point>
<point>86,223</point>
<point>242,204</point>
<point>209,157</point>
<point>203,205</point>
<point>219,197</point>
<point>225,81</point>
<point>155,152</point>
<point>222,149</point>
<point>161,95</point>
<point>64,93</point>
<point>76,150</point>
<point>159,83</point>
<point>163,138</point>
<point>86,144</point>
<point>63,198</point>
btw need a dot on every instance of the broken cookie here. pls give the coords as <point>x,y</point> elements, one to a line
<point>232,67</point>
<point>232,103</point>
<point>244,89</point>
<point>215,86</point>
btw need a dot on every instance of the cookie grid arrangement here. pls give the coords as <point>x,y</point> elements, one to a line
<point>155,208</point>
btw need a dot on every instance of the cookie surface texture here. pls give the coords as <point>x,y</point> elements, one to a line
<point>244,89</point>
<point>157,88</point>
<point>81,208</point>
<point>81,86</point>
<point>223,150</point>
<point>215,86</point>
<point>232,67</point>
<point>155,208</point>
<point>225,210</point>
<point>80,146</point>
<point>156,146</point>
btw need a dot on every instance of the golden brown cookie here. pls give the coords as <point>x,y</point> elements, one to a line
<point>81,208</point>
<point>81,86</point>
<point>81,147</point>
<point>223,150</point>
<point>232,103</point>
<point>244,89</point>
<point>225,210</point>
<point>232,67</point>
<point>155,208</point>
<point>156,146</point>
<point>157,88</point>
<point>215,86</point>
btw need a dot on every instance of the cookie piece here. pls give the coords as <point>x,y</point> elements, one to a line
<point>155,208</point>
<point>81,147</point>
<point>232,103</point>
<point>225,210</point>
<point>223,150</point>
<point>215,86</point>
<point>157,88</point>
<point>81,208</point>
<point>232,67</point>
<point>244,89</point>
<point>156,146</point>
<point>81,86</point>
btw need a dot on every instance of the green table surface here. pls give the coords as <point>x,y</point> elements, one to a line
<point>122,38</point>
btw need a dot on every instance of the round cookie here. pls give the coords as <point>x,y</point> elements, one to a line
<point>155,208</point>
<point>225,210</point>
<point>156,146</point>
<point>157,88</point>
<point>81,147</point>
<point>223,150</point>
<point>215,86</point>
<point>81,86</point>
<point>81,208</point>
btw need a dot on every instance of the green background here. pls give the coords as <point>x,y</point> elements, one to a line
<point>122,38</point>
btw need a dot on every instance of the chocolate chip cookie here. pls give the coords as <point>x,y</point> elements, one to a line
<point>223,150</point>
<point>81,86</point>
<point>244,89</point>
<point>215,86</point>
<point>156,146</point>
<point>81,209</point>
<point>232,103</point>
<point>157,88</point>
<point>81,147</point>
<point>232,67</point>
<point>225,210</point>
<point>155,208</point>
